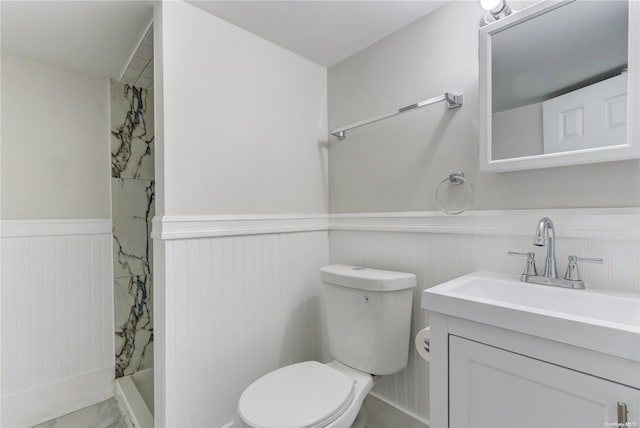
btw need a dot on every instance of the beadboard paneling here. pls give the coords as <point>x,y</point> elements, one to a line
<point>439,257</point>
<point>230,310</point>
<point>57,313</point>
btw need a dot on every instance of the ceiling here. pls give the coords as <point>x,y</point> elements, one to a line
<point>104,37</point>
<point>325,32</point>
<point>139,72</point>
<point>97,37</point>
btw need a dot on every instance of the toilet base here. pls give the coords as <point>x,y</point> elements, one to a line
<point>364,383</point>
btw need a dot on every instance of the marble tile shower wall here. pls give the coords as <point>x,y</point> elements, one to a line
<point>133,208</point>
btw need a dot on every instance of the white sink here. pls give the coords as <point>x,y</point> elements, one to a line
<point>605,321</point>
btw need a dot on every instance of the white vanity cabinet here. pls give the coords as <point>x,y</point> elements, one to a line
<point>504,356</point>
<point>491,387</point>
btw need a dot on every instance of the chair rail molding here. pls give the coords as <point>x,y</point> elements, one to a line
<point>619,223</point>
<point>54,227</point>
<point>184,227</point>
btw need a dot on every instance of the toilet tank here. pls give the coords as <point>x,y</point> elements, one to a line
<point>368,317</point>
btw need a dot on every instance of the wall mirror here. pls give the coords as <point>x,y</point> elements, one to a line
<point>560,85</point>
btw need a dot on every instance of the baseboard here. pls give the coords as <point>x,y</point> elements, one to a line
<point>382,413</point>
<point>35,406</point>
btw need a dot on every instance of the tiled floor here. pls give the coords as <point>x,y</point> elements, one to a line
<point>105,414</point>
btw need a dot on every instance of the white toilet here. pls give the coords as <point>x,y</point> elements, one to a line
<point>368,320</point>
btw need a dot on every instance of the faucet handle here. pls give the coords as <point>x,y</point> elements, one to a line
<point>573,274</point>
<point>597,260</point>
<point>530,264</point>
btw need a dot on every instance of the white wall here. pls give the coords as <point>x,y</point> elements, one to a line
<point>240,133</point>
<point>57,292</point>
<point>395,165</point>
<point>244,120</point>
<point>55,142</point>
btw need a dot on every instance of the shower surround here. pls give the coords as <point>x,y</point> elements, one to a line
<point>133,208</point>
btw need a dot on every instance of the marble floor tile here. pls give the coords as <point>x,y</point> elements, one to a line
<point>105,414</point>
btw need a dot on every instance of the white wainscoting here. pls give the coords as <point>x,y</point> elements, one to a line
<point>57,318</point>
<point>438,248</point>
<point>229,309</point>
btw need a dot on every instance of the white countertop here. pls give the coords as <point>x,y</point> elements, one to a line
<point>604,321</point>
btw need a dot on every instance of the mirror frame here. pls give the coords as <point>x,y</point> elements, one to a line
<point>630,150</point>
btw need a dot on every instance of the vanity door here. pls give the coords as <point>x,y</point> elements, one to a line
<point>493,388</point>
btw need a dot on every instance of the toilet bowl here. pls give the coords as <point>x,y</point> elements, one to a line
<point>305,395</point>
<point>368,323</point>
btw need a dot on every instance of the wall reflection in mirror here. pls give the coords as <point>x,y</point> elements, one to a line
<point>559,81</point>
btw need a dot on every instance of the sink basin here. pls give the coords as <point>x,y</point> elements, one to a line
<point>606,321</point>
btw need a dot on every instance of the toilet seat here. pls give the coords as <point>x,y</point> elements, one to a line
<point>303,395</point>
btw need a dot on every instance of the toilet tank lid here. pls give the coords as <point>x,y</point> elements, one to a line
<point>366,278</point>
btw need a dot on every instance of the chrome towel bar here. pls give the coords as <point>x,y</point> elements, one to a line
<point>452,100</point>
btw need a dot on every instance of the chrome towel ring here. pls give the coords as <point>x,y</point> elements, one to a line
<point>454,179</point>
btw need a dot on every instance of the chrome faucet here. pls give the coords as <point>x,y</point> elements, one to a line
<point>546,236</point>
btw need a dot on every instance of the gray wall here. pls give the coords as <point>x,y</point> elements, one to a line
<point>396,164</point>
<point>263,156</point>
<point>55,142</point>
